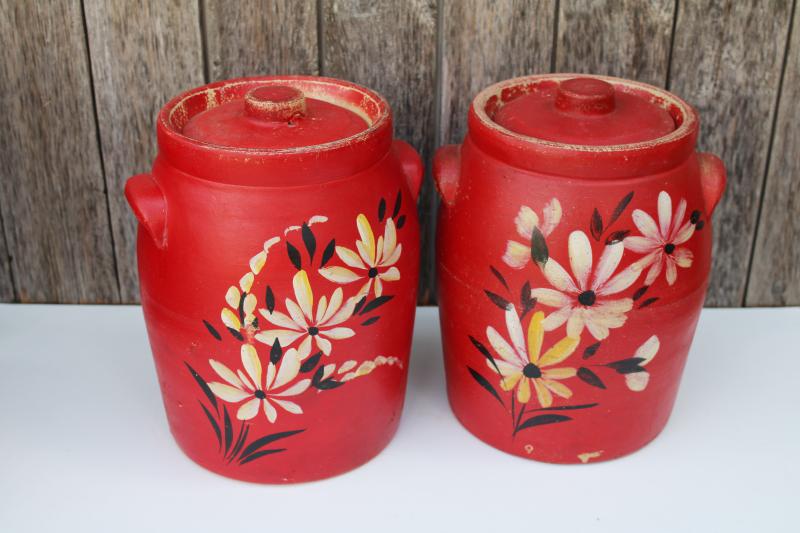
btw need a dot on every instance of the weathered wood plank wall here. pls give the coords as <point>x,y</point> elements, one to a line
<point>81,82</point>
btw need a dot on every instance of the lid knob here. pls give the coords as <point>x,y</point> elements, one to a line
<point>585,96</point>
<point>275,103</point>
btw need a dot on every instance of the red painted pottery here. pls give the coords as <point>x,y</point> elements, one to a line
<point>278,261</point>
<point>574,246</point>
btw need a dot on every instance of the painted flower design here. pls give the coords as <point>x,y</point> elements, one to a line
<point>373,261</point>
<point>637,381</point>
<point>661,242</point>
<point>240,313</point>
<point>519,253</point>
<point>259,391</point>
<point>303,323</point>
<point>522,365</point>
<point>585,298</point>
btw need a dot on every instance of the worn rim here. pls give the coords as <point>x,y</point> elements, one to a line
<point>320,88</point>
<point>665,99</point>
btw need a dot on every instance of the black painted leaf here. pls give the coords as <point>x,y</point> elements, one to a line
<point>596,225</point>
<point>483,382</point>
<point>228,429</point>
<point>369,321</point>
<point>566,407</point>
<point>255,322</point>
<point>276,352</point>
<point>328,384</point>
<point>700,225</point>
<point>526,300</point>
<point>309,364</point>
<point>240,442</point>
<point>213,422</point>
<point>359,305</point>
<point>236,335</point>
<point>260,454</point>
<point>381,210</point>
<point>401,222</point>
<point>484,351</point>
<point>648,302</point>
<point>374,304</point>
<point>499,276</point>
<point>590,377</point>
<point>498,300</point>
<point>213,331</point>
<point>640,292</point>
<point>294,255</point>
<point>397,202</point>
<point>318,376</point>
<point>695,216</point>
<point>263,441</point>
<point>591,350</point>
<point>620,208</point>
<point>539,252</point>
<point>203,386</point>
<point>328,252</point>
<point>541,420</point>
<point>627,366</point>
<point>240,309</point>
<point>617,236</point>
<point>310,241</point>
<point>270,299</point>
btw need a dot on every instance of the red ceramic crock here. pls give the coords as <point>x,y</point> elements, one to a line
<point>574,246</point>
<point>278,262</point>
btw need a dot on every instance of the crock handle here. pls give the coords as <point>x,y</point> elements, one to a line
<point>149,206</point>
<point>412,165</point>
<point>712,180</point>
<point>446,170</point>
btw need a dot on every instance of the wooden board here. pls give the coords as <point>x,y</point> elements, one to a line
<point>625,38</point>
<point>6,283</point>
<point>727,61</point>
<point>391,47</point>
<point>159,56</point>
<point>260,37</point>
<point>775,272</point>
<point>52,192</point>
<point>476,54</point>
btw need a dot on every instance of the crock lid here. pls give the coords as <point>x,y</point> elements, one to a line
<point>275,131</point>
<point>594,127</point>
<point>585,110</point>
<point>274,116</point>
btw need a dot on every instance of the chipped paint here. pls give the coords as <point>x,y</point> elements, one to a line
<point>587,456</point>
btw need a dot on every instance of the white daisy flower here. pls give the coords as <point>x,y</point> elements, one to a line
<point>583,299</point>
<point>519,253</point>
<point>661,243</point>
<point>373,262</point>
<point>259,392</point>
<point>303,323</point>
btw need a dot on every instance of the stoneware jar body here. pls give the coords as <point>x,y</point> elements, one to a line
<point>571,277</point>
<point>279,285</point>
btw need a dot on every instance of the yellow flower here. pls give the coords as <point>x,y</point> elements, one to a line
<point>375,261</point>
<point>522,364</point>
<point>259,390</point>
<point>302,323</point>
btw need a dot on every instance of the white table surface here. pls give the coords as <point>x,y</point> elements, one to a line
<point>84,446</point>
